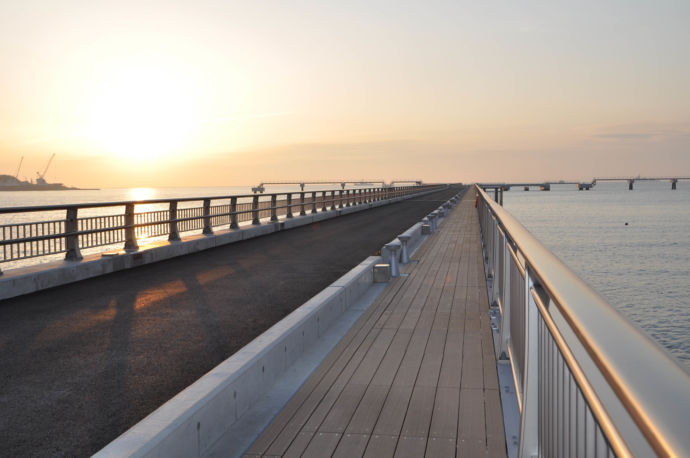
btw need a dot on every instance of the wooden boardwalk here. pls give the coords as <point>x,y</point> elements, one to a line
<point>416,375</point>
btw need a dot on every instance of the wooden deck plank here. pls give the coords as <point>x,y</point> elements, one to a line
<point>410,447</point>
<point>367,413</point>
<point>371,361</point>
<point>444,421</point>
<point>322,444</point>
<point>472,372</point>
<point>472,418</point>
<point>451,367</point>
<point>351,445</point>
<point>418,417</point>
<point>340,414</point>
<point>495,434</point>
<point>409,367</point>
<point>433,356</point>
<point>380,446</point>
<point>392,414</point>
<point>441,447</point>
<point>417,375</point>
<point>391,362</point>
<point>298,445</point>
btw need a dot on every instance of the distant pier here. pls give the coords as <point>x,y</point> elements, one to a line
<point>581,185</point>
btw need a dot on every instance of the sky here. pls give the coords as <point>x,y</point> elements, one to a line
<point>171,93</point>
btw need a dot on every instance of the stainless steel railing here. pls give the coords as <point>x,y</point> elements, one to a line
<point>65,230</point>
<point>588,381</point>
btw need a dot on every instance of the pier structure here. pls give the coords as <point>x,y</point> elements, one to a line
<point>581,185</point>
<point>261,187</point>
<point>483,344</point>
<point>128,330</point>
<point>631,180</point>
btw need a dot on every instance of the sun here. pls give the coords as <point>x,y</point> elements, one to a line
<point>142,112</point>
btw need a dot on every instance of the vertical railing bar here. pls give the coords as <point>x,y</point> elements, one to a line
<point>255,211</point>
<point>233,213</point>
<point>274,210</point>
<point>289,205</point>
<point>208,229</point>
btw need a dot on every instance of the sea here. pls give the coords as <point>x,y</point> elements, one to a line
<point>632,247</point>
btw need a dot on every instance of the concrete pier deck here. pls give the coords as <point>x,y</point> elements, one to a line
<point>81,363</point>
<point>416,375</point>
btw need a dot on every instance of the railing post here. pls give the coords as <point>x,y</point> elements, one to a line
<point>496,264</point>
<point>255,211</point>
<point>323,196</point>
<point>174,233</point>
<point>289,205</point>
<point>404,255</point>
<point>302,212</point>
<point>130,233</point>
<point>313,202</point>
<point>274,210</point>
<point>529,419</point>
<point>347,198</point>
<point>208,230</point>
<point>233,213</point>
<point>340,195</point>
<point>504,335</point>
<point>332,200</point>
<point>72,236</point>
<point>393,249</point>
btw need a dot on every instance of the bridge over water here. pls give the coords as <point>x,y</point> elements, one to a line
<point>581,185</point>
<point>481,344</point>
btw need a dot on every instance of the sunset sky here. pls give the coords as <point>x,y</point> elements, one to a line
<point>164,93</point>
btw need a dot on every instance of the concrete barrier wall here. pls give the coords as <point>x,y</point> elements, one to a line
<point>191,422</point>
<point>17,282</point>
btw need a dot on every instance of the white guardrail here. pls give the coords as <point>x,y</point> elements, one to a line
<point>588,381</point>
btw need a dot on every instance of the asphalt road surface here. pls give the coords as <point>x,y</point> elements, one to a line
<point>82,363</point>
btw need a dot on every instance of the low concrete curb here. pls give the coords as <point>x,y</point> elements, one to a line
<point>415,232</point>
<point>191,422</point>
<point>17,282</point>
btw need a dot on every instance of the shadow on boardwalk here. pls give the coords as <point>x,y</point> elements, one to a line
<point>81,363</point>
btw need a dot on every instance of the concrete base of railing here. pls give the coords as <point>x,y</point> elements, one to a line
<point>26,280</point>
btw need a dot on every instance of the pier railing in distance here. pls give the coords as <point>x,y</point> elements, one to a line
<point>588,381</point>
<point>126,224</point>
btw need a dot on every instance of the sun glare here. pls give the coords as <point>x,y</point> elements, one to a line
<point>142,113</point>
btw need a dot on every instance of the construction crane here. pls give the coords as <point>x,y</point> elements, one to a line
<point>40,177</point>
<point>16,175</point>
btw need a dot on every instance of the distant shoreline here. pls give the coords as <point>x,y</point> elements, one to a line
<point>44,187</point>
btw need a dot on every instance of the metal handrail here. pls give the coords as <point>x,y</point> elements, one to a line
<point>80,206</point>
<point>31,239</point>
<point>648,382</point>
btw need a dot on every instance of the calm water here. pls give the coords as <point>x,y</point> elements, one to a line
<point>642,269</point>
